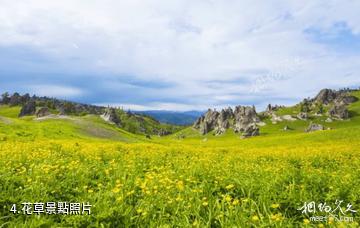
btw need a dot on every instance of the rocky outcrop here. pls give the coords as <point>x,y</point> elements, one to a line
<point>242,120</point>
<point>207,123</point>
<point>303,116</point>
<point>315,127</point>
<point>28,109</point>
<point>270,108</point>
<point>339,111</point>
<point>222,122</point>
<point>44,111</point>
<point>250,130</point>
<point>245,116</point>
<point>337,100</point>
<point>345,99</point>
<point>111,116</point>
<point>327,96</point>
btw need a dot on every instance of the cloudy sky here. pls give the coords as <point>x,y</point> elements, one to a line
<point>179,55</point>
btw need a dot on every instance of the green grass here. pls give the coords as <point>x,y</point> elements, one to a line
<point>11,112</point>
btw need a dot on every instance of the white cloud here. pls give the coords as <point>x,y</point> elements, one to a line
<point>190,42</point>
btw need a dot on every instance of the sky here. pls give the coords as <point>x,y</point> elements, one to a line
<point>179,55</point>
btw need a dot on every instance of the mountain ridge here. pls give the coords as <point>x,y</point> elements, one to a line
<point>173,117</point>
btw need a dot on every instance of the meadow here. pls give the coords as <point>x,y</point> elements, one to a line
<point>196,181</point>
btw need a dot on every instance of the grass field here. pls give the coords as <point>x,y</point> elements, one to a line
<point>196,181</point>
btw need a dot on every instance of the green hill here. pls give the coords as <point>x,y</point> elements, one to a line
<point>52,109</point>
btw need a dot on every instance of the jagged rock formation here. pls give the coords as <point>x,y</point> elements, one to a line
<point>44,111</point>
<point>338,99</point>
<point>223,121</point>
<point>339,111</point>
<point>28,109</point>
<point>270,108</point>
<point>346,99</point>
<point>242,120</point>
<point>208,121</point>
<point>244,117</point>
<point>327,96</point>
<point>111,116</point>
<point>250,130</point>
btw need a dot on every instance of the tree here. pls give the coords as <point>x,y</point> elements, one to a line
<point>5,98</point>
<point>25,98</point>
<point>15,99</point>
<point>305,106</point>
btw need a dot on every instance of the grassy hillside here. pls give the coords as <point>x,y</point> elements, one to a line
<point>181,180</point>
<point>86,127</point>
<point>143,124</point>
<point>270,129</point>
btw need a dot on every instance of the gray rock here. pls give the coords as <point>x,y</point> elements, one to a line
<point>44,111</point>
<point>28,109</point>
<point>303,116</point>
<point>111,116</point>
<point>250,130</point>
<point>315,127</point>
<point>207,123</point>
<point>198,122</point>
<point>345,99</point>
<point>326,96</point>
<point>270,108</point>
<point>240,120</point>
<point>339,111</point>
<point>222,122</point>
<point>244,116</point>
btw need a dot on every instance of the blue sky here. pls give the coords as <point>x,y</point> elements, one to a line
<point>179,55</point>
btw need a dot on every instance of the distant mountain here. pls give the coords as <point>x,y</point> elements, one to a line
<point>172,117</point>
